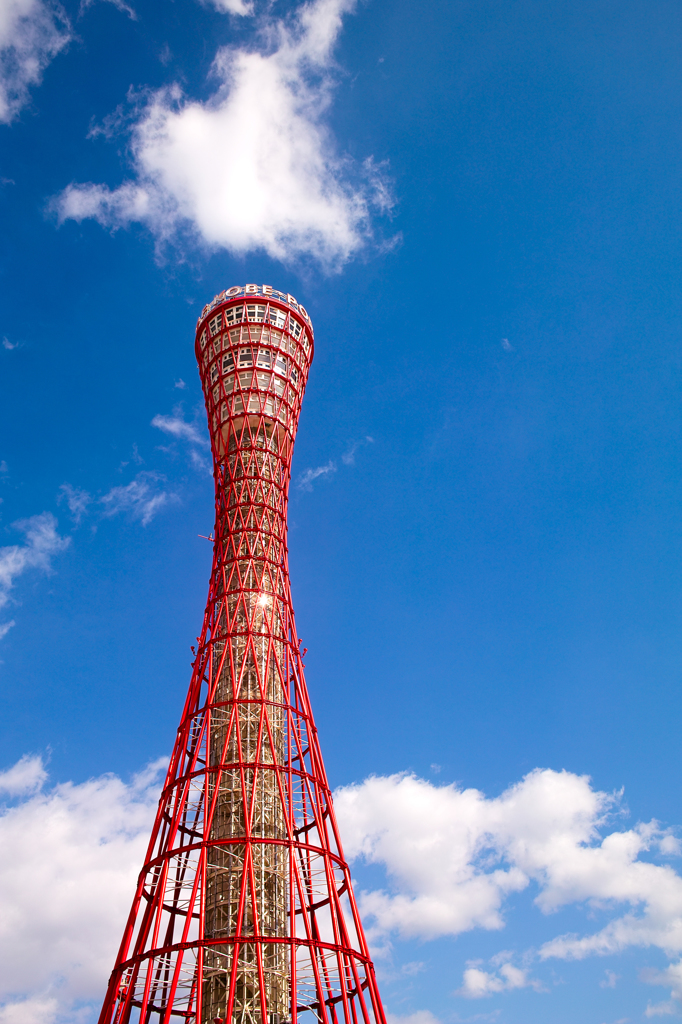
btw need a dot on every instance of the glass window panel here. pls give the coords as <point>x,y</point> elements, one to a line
<point>234,315</point>
<point>277,317</point>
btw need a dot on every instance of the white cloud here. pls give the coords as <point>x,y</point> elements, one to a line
<point>348,457</point>
<point>477,983</point>
<point>65,902</point>
<point>610,980</point>
<point>305,480</point>
<point>194,435</point>
<point>37,1010</point>
<point>142,498</point>
<point>451,857</point>
<point>666,1009</point>
<point>671,977</point>
<point>120,5</point>
<point>76,499</point>
<point>64,908</point>
<point>233,6</point>
<point>177,427</point>
<point>420,1017</point>
<point>42,543</point>
<point>32,32</point>
<point>25,777</point>
<point>254,168</point>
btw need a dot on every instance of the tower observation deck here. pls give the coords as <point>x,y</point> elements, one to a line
<point>244,911</point>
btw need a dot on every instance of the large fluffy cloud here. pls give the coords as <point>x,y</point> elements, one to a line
<point>69,859</point>
<point>451,857</point>
<point>32,32</point>
<point>254,167</point>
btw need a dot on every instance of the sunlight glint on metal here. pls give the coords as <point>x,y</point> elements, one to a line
<point>244,911</point>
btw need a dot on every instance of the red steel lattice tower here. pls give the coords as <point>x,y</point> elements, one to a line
<point>244,911</point>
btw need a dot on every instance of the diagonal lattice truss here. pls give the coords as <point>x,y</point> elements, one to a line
<point>244,910</point>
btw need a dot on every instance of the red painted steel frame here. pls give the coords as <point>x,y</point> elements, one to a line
<point>244,910</point>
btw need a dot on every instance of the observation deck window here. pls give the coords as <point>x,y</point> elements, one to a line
<point>296,328</point>
<point>228,362</point>
<point>234,335</point>
<point>228,384</point>
<point>294,374</point>
<point>244,380</point>
<point>281,365</point>
<point>245,357</point>
<point>214,373</point>
<point>203,339</point>
<point>265,358</point>
<point>256,313</point>
<point>215,324</point>
<point>234,315</point>
<point>277,317</point>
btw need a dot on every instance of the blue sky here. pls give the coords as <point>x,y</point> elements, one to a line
<point>478,204</point>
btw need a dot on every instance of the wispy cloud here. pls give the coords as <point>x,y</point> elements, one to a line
<point>348,456</point>
<point>305,480</point>
<point>41,545</point>
<point>77,500</point>
<point>176,426</point>
<point>667,1009</point>
<point>9,345</point>
<point>120,5</point>
<point>190,177</point>
<point>142,498</point>
<point>32,33</point>
<point>191,433</point>
<point>180,384</point>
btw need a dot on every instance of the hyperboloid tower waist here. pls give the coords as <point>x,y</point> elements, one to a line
<point>244,911</point>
